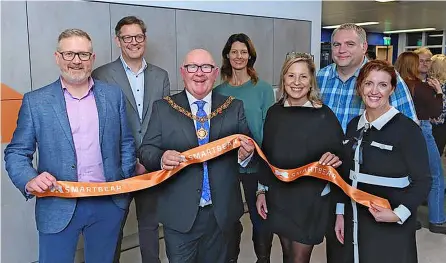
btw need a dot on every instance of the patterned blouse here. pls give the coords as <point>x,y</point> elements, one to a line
<point>440,119</point>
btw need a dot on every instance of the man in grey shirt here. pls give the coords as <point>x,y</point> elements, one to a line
<point>142,84</point>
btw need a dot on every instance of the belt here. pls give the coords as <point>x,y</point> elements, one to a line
<point>400,182</point>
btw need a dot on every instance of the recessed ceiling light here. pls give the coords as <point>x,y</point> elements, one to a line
<point>385,1</point>
<point>437,35</point>
<point>359,24</point>
<point>409,30</point>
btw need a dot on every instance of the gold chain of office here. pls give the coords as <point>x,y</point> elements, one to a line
<point>217,111</point>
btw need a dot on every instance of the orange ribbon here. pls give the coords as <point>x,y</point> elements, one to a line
<point>201,154</point>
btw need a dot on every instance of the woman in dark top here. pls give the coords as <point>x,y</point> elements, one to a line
<point>438,71</point>
<point>385,155</point>
<point>298,130</point>
<point>428,100</point>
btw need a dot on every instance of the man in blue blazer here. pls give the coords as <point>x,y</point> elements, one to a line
<point>79,126</point>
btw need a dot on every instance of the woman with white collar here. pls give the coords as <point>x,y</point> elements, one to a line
<point>298,130</point>
<point>386,155</point>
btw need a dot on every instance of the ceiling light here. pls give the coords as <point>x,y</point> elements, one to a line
<point>409,30</point>
<point>437,35</point>
<point>359,24</point>
<point>385,1</point>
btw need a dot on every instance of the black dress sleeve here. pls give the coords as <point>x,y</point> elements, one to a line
<point>416,158</point>
<point>336,147</point>
<point>264,172</point>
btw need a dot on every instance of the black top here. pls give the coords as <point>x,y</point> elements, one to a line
<point>428,104</point>
<point>393,147</point>
<point>294,137</point>
<point>406,157</point>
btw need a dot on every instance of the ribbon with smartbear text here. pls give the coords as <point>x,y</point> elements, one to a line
<point>201,154</point>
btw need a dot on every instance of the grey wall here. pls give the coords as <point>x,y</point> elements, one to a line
<point>29,39</point>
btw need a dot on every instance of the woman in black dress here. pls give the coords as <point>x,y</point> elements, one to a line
<point>298,130</point>
<point>386,155</point>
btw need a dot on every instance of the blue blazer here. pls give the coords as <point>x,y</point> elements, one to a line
<point>43,122</point>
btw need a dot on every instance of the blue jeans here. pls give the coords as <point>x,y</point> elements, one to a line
<point>436,195</point>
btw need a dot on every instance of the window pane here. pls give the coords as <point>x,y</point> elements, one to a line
<point>435,51</point>
<point>414,39</point>
<point>434,38</point>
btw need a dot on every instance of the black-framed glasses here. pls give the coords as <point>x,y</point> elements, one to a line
<point>138,38</point>
<point>70,55</point>
<point>205,68</point>
<point>294,54</point>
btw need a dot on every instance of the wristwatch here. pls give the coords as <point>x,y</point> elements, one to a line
<point>259,192</point>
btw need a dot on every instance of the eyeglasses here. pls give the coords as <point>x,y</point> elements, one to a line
<point>427,61</point>
<point>70,55</point>
<point>293,54</point>
<point>138,38</point>
<point>205,68</point>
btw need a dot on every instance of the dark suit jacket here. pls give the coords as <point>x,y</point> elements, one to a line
<point>156,86</point>
<point>179,198</point>
<point>43,122</point>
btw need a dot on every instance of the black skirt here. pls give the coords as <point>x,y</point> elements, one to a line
<point>303,219</point>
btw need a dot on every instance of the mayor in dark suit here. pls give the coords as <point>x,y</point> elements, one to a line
<point>142,84</point>
<point>200,204</point>
<point>79,126</point>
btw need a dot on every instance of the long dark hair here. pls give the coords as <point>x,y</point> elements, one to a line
<point>226,68</point>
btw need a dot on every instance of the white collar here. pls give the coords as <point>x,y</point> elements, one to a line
<point>307,104</point>
<point>380,122</point>
<point>192,99</point>
<point>143,64</point>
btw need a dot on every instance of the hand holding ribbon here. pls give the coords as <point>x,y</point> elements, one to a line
<point>201,154</point>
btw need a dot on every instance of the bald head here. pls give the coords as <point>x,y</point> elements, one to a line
<point>199,73</point>
<point>199,56</point>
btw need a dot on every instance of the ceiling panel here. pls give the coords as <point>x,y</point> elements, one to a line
<point>392,16</point>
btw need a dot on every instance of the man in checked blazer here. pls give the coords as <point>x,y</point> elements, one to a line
<point>142,84</point>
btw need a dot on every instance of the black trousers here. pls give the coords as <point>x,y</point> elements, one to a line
<point>439,133</point>
<point>146,215</point>
<point>334,249</point>
<point>204,243</point>
<point>261,236</point>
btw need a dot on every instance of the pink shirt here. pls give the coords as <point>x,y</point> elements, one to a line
<point>84,123</point>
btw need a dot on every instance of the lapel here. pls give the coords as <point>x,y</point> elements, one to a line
<point>60,108</point>
<point>217,121</point>
<point>121,79</point>
<point>148,90</point>
<point>101,105</point>
<point>184,121</point>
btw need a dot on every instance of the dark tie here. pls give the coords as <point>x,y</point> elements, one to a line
<point>203,138</point>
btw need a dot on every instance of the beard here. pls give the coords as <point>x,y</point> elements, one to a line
<point>78,78</point>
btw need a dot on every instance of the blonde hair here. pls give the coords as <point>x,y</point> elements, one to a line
<point>314,94</point>
<point>438,68</point>
<point>423,51</point>
<point>73,32</point>
<point>350,26</point>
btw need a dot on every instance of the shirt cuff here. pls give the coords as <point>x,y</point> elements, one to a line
<point>28,195</point>
<point>403,213</point>
<point>245,162</point>
<point>261,187</point>
<point>340,208</point>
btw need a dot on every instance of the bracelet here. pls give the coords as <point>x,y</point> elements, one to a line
<point>260,192</point>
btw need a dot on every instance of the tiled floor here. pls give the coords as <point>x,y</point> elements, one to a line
<point>431,247</point>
